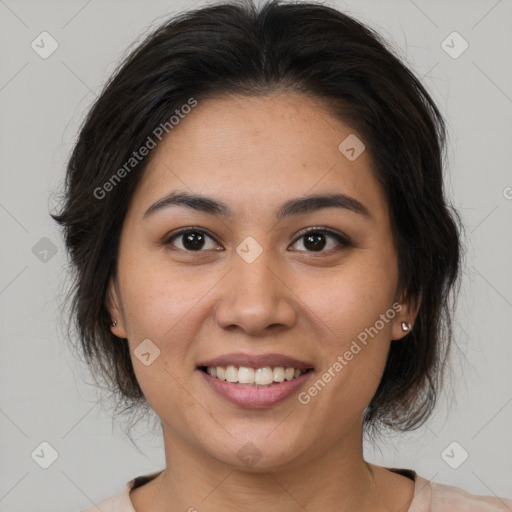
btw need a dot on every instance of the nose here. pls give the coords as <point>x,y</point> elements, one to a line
<point>256,297</point>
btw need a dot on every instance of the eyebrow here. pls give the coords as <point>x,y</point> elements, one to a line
<point>297,206</point>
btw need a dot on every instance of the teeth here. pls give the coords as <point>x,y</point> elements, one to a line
<point>232,374</point>
<point>264,376</point>
<point>260,376</point>
<point>245,375</point>
<point>278,374</point>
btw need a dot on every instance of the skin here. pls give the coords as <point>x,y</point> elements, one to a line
<point>254,154</point>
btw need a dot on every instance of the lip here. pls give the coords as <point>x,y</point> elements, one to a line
<point>254,397</point>
<point>257,361</point>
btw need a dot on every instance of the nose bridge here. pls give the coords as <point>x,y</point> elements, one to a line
<point>255,296</point>
<point>254,270</point>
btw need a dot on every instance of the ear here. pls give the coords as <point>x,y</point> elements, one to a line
<point>406,312</point>
<point>113,305</point>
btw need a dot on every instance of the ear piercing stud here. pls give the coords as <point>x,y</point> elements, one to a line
<point>114,323</point>
<point>406,326</point>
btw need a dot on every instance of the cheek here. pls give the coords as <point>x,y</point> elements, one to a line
<point>355,308</point>
<point>352,300</point>
<point>158,307</point>
<point>158,297</point>
<point>165,305</point>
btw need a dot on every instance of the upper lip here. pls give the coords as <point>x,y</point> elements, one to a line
<point>257,361</point>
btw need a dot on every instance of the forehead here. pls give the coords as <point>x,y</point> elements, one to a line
<point>249,151</point>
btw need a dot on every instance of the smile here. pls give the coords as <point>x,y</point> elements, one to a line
<point>252,395</point>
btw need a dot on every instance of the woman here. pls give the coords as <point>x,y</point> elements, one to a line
<point>264,256</point>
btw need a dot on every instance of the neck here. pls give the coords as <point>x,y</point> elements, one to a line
<point>336,479</point>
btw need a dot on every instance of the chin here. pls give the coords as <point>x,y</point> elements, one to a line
<point>257,454</point>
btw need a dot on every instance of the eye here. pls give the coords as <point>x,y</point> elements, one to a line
<point>192,240</point>
<point>314,239</point>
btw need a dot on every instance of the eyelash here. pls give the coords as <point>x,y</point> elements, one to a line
<point>342,239</point>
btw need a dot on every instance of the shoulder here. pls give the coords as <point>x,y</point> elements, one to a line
<point>120,502</point>
<point>447,498</point>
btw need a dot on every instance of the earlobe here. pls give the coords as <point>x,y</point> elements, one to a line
<point>112,303</point>
<point>402,326</point>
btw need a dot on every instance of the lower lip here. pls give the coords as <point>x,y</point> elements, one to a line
<point>255,397</point>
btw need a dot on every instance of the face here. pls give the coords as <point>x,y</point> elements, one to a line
<point>266,281</point>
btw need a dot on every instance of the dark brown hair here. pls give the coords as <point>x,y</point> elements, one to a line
<point>237,48</point>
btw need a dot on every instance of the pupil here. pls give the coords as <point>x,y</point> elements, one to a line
<point>194,240</point>
<point>316,244</point>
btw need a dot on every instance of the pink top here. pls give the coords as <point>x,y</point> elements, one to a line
<point>428,497</point>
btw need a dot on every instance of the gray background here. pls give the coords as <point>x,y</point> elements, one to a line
<point>47,393</point>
